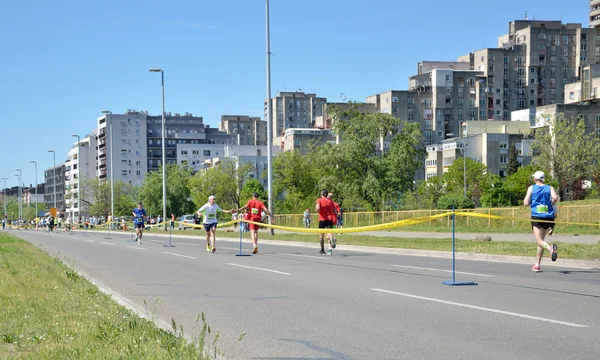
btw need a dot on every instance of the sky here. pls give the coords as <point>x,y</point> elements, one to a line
<point>65,61</point>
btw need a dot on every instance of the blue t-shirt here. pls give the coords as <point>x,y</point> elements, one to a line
<point>541,203</point>
<point>139,215</point>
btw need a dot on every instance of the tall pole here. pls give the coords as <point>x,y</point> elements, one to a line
<point>54,176</point>
<point>4,194</point>
<point>269,121</point>
<point>164,151</point>
<point>36,192</point>
<point>112,173</point>
<point>20,193</point>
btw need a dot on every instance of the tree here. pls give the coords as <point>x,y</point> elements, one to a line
<point>100,191</point>
<point>567,152</point>
<point>478,178</point>
<point>430,191</point>
<point>178,192</point>
<point>516,184</point>
<point>513,164</point>
<point>251,186</point>
<point>455,201</point>
<point>225,182</point>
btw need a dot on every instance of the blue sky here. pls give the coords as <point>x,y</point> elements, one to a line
<point>65,61</point>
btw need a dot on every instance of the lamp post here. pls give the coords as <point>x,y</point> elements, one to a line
<point>269,121</point>
<point>36,192</point>
<point>164,156</point>
<point>54,177</point>
<point>78,177</point>
<point>112,168</point>
<point>20,193</point>
<point>4,193</point>
<point>463,149</point>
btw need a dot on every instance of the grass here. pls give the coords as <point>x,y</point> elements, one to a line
<point>50,312</point>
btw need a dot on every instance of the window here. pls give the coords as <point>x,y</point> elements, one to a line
<point>552,93</point>
<point>206,153</point>
<point>521,71</point>
<point>532,91</point>
<point>184,152</point>
<point>531,102</point>
<point>427,135</point>
<point>472,114</point>
<point>138,163</point>
<point>411,113</point>
<point>137,131</point>
<point>498,102</point>
<point>498,112</point>
<point>427,102</point>
<point>506,60</point>
<point>461,103</point>
<point>503,160</point>
<point>460,114</point>
<point>439,134</point>
<point>138,172</point>
<point>572,97</point>
<point>447,77</point>
<point>533,80</point>
<point>521,104</point>
<point>565,61</point>
<point>505,115</point>
<point>491,68</point>
<point>428,125</point>
<point>482,114</point>
<point>505,71</point>
<point>411,102</point>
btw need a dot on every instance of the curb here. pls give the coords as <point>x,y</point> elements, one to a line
<point>581,264</point>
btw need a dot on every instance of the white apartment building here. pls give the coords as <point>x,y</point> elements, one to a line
<point>128,145</point>
<point>81,165</point>
<point>294,110</point>
<point>195,155</point>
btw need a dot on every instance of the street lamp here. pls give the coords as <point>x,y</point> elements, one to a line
<point>269,122</point>
<point>112,171</point>
<point>4,193</point>
<point>20,193</point>
<point>36,191</point>
<point>78,177</point>
<point>463,150</point>
<point>54,176</point>
<point>164,157</point>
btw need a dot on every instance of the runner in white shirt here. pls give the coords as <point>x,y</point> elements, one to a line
<point>209,213</point>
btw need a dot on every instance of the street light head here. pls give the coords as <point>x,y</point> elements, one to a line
<point>155,70</point>
<point>51,151</point>
<point>74,135</point>
<point>33,162</point>
<point>106,112</point>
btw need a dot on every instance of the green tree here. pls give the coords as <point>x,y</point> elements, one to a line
<point>178,192</point>
<point>455,201</point>
<point>251,186</point>
<point>295,179</point>
<point>513,164</point>
<point>567,152</point>
<point>101,194</point>
<point>429,192</point>
<point>516,184</point>
<point>478,178</point>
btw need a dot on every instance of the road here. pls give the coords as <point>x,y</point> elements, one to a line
<point>294,304</point>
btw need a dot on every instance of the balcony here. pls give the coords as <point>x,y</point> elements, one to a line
<point>196,136</point>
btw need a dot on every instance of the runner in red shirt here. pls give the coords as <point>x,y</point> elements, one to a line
<point>326,210</point>
<point>255,206</point>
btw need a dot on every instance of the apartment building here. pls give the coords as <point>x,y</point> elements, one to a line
<point>80,166</point>
<point>586,88</point>
<point>594,13</point>
<point>54,191</point>
<point>300,139</point>
<point>589,113</point>
<point>245,130</point>
<point>128,143</point>
<point>195,155</point>
<point>294,110</point>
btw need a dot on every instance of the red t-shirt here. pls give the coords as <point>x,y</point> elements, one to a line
<point>336,207</point>
<point>325,209</point>
<point>255,207</point>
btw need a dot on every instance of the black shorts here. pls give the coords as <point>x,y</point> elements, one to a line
<point>139,226</point>
<point>207,227</point>
<point>325,224</point>
<point>542,225</point>
<point>340,221</point>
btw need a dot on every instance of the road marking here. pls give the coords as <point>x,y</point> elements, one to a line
<point>229,248</point>
<point>187,244</point>
<point>107,243</point>
<point>530,317</point>
<point>87,240</point>
<point>136,247</point>
<point>183,256</point>
<point>441,270</point>
<point>257,268</point>
<point>308,256</point>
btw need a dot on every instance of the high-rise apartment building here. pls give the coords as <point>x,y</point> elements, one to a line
<point>128,147</point>
<point>244,129</point>
<point>54,179</point>
<point>80,166</point>
<point>294,110</point>
<point>594,13</point>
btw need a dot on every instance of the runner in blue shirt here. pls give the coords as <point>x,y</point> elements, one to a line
<point>542,199</point>
<point>139,215</point>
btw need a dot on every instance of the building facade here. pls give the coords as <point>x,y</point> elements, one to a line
<point>81,165</point>
<point>594,13</point>
<point>294,110</point>
<point>245,130</point>
<point>54,191</point>
<point>299,139</point>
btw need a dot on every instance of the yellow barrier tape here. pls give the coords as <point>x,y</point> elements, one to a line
<point>497,217</point>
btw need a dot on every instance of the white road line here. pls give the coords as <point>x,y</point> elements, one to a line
<point>309,256</point>
<point>441,270</point>
<point>108,243</point>
<point>136,247</point>
<point>87,240</point>
<point>183,256</point>
<point>261,269</point>
<point>180,243</point>
<point>229,248</point>
<point>530,317</point>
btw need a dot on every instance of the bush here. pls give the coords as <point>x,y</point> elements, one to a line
<point>499,197</point>
<point>458,201</point>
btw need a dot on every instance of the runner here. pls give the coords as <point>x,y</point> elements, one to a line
<point>210,213</point>
<point>51,223</point>
<point>324,207</point>
<point>334,218</point>
<point>255,206</point>
<point>4,222</point>
<point>541,198</point>
<point>306,218</point>
<point>139,214</point>
<point>172,221</point>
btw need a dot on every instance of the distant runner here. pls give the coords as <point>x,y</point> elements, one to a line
<point>255,206</point>
<point>334,218</point>
<point>324,207</point>
<point>542,199</point>
<point>139,215</point>
<point>210,214</point>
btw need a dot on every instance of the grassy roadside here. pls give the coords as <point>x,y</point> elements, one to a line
<point>50,312</point>
<point>516,248</point>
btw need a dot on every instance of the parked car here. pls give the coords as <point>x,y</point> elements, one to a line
<point>186,219</point>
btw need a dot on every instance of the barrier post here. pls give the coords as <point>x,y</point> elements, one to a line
<point>240,254</point>
<point>170,236</point>
<point>109,226</point>
<point>454,282</point>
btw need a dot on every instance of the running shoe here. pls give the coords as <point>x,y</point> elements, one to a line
<point>536,268</point>
<point>255,250</point>
<point>213,250</point>
<point>321,252</point>
<point>329,252</point>
<point>139,241</point>
<point>208,247</point>
<point>333,242</point>
<point>550,231</point>
<point>554,253</point>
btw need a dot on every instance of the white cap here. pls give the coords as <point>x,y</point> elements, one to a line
<point>539,175</point>
<point>213,197</point>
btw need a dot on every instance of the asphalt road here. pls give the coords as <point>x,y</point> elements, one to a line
<point>294,304</point>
